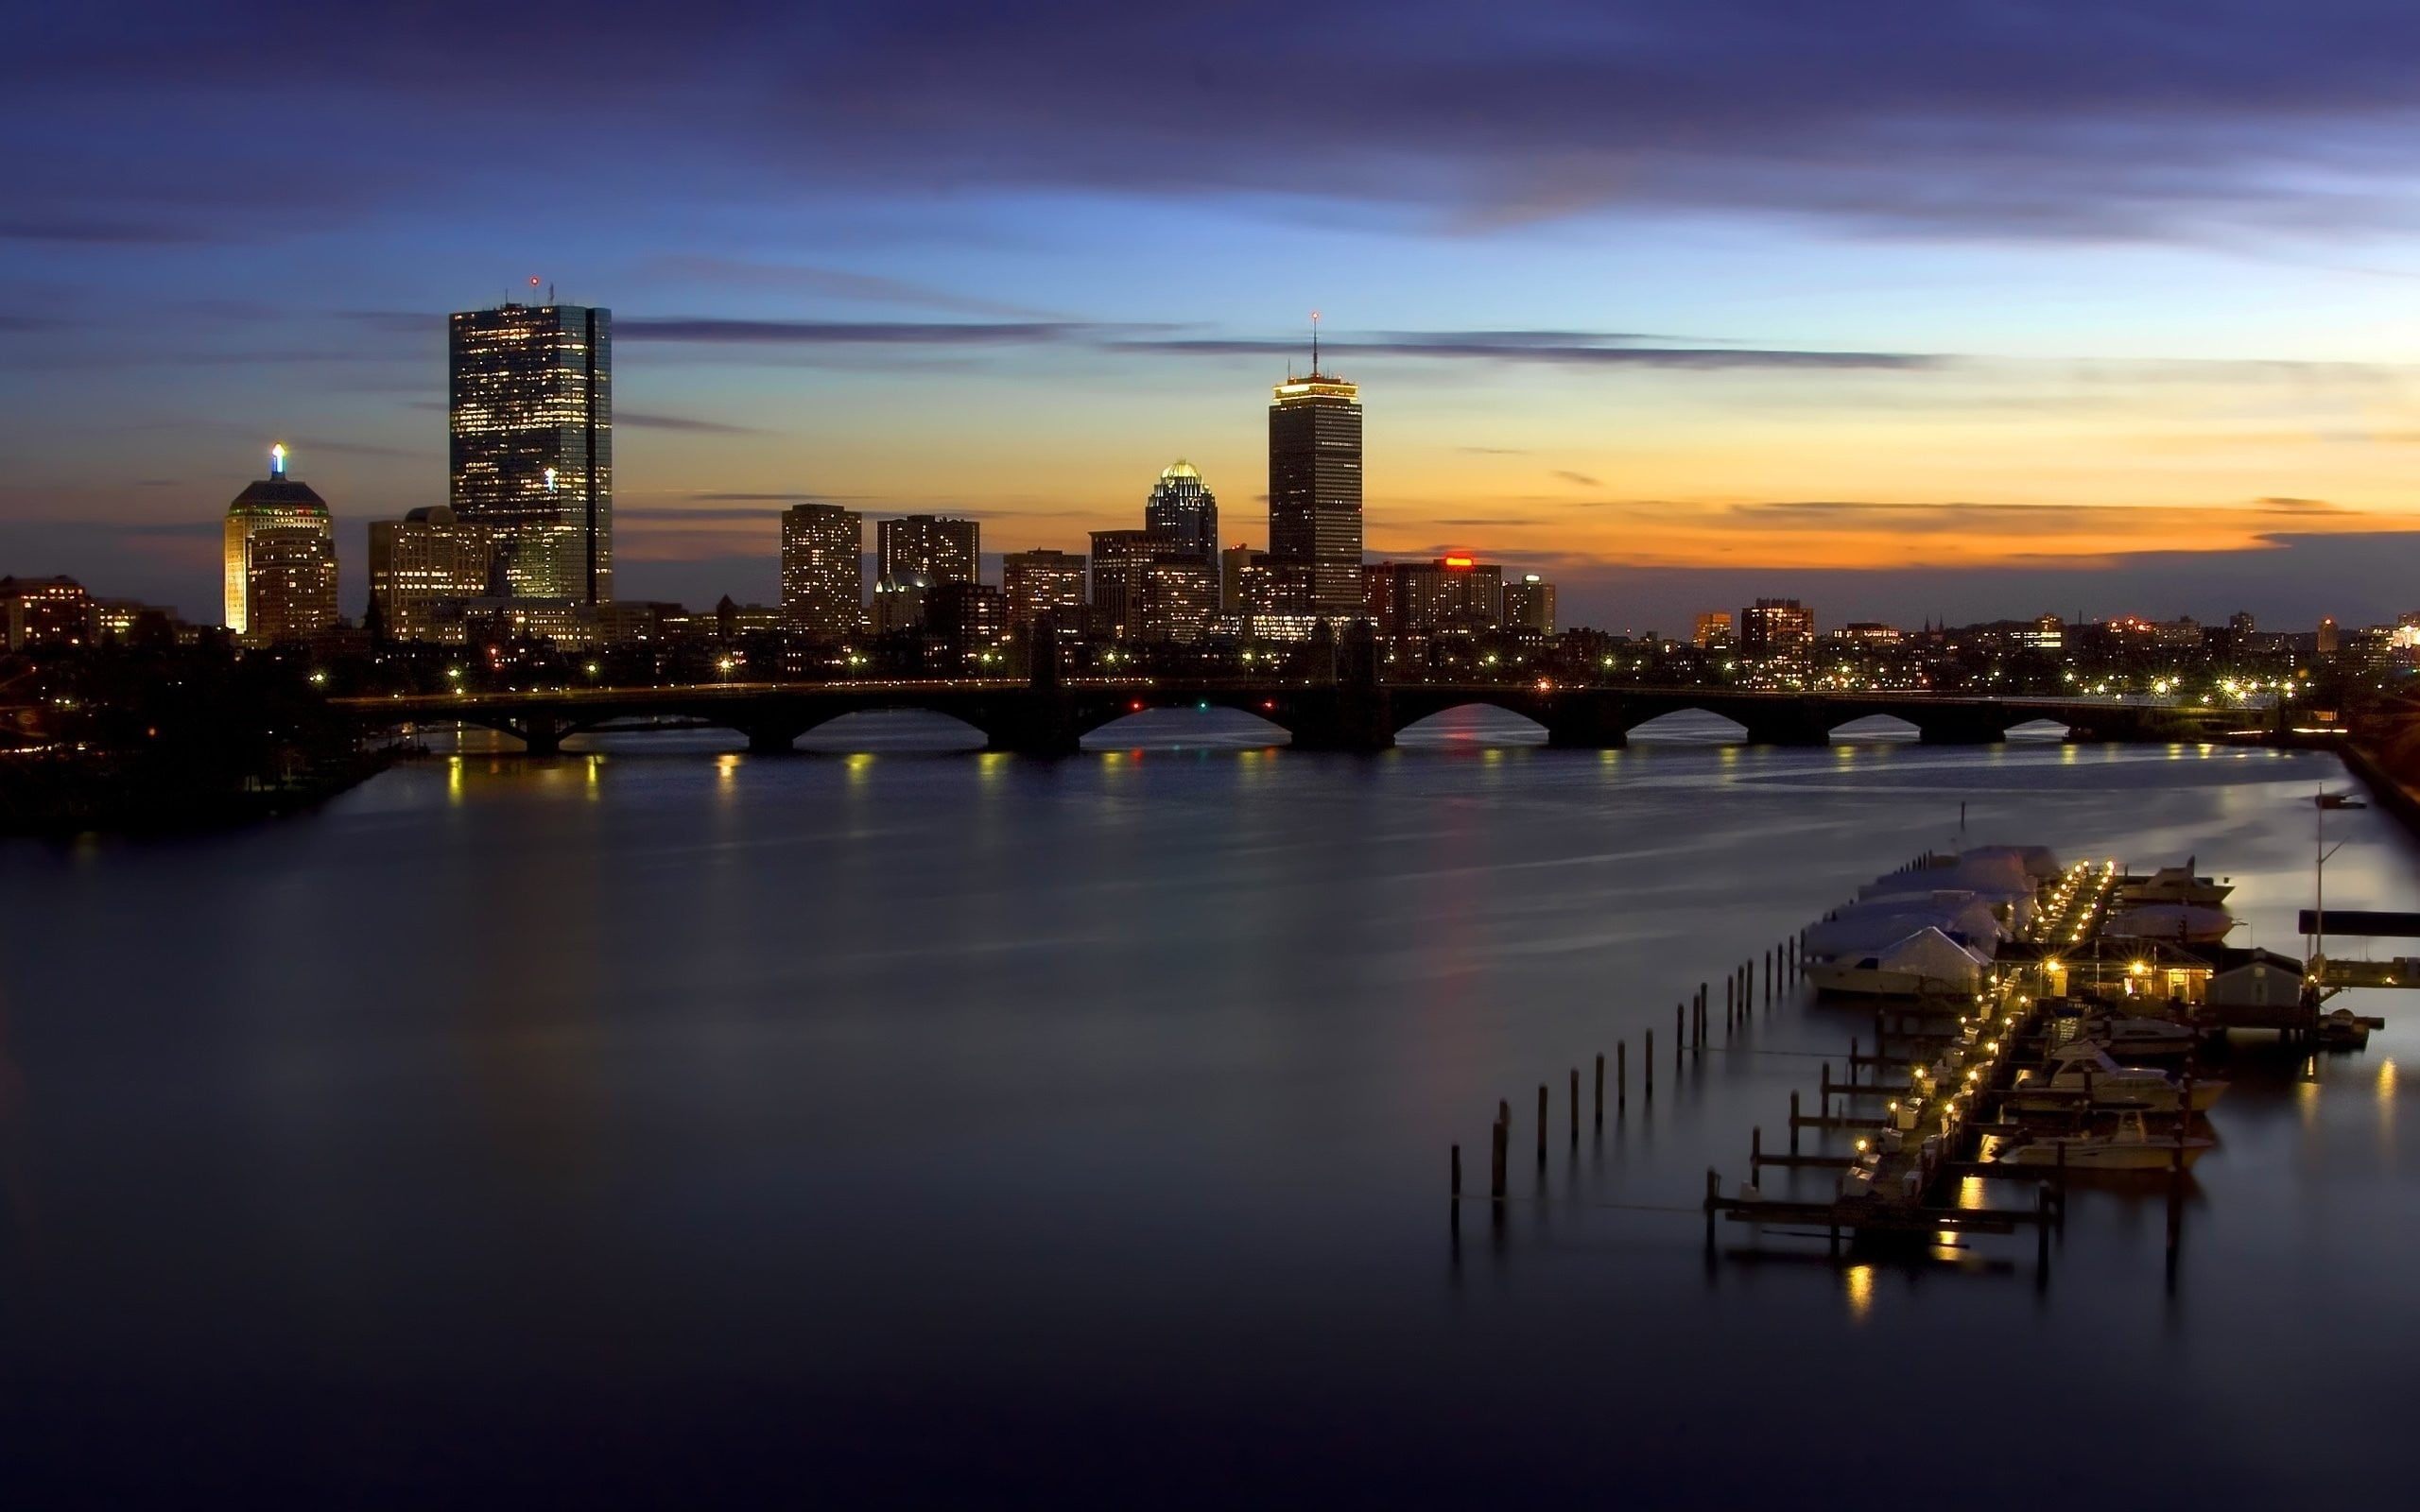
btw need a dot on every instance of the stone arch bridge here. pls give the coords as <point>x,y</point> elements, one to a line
<point>1043,719</point>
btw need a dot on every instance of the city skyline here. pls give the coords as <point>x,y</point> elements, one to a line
<point>1910,343</point>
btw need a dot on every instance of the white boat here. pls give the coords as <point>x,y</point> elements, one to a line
<point>2082,1066</point>
<point>2175,884</point>
<point>2130,1148</point>
<point>1924,963</point>
<point>2140,1037</point>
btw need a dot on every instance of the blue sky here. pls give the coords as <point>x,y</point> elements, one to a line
<point>1906,309</point>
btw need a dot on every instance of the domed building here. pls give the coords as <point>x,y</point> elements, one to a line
<point>1183,514</point>
<point>281,559</point>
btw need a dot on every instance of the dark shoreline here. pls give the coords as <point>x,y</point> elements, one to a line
<point>87,799</point>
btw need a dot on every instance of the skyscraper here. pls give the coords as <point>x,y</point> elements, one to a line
<point>1183,514</point>
<point>1121,560</point>
<point>1529,604</point>
<point>1315,486</point>
<point>1035,583</point>
<point>530,411</point>
<point>281,559</point>
<point>426,557</point>
<point>921,546</point>
<point>822,575</point>
<point>1776,627</point>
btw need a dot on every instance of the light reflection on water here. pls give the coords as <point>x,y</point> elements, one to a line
<point>978,1113</point>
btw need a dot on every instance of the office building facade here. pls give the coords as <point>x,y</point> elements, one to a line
<point>529,411</point>
<point>427,557</point>
<point>1529,604</point>
<point>823,572</point>
<point>280,559</point>
<point>1776,627</point>
<point>1445,596</point>
<point>1119,557</point>
<point>1034,583</point>
<point>1183,514</point>
<point>35,611</point>
<point>935,549</point>
<point>1315,488</point>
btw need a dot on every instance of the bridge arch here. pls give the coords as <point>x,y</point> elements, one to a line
<point>1875,728</point>
<point>2039,728</point>
<point>1469,722</point>
<point>1225,724</point>
<point>904,728</point>
<point>1689,724</point>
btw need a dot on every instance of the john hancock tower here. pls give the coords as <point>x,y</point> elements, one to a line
<point>530,411</point>
<point>1315,488</point>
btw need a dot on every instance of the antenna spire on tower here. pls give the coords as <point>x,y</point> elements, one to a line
<point>1315,343</point>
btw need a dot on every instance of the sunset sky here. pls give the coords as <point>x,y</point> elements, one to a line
<point>1906,309</point>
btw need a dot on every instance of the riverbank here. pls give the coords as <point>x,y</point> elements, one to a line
<point>58,796</point>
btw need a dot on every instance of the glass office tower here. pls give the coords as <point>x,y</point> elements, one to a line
<point>531,412</point>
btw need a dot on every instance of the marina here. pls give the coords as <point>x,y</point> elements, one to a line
<point>2034,1024</point>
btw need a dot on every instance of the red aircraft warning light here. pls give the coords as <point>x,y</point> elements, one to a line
<point>1459,562</point>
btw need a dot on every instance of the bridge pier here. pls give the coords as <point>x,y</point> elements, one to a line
<point>1784,727</point>
<point>1343,717</point>
<point>1585,721</point>
<point>540,734</point>
<point>1939,730</point>
<point>771,739</point>
<point>1041,723</point>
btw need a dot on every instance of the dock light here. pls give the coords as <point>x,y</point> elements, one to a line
<point>1860,1147</point>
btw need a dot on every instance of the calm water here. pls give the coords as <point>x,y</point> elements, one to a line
<point>658,1125</point>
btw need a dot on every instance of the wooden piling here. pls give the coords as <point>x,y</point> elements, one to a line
<point>1542,1125</point>
<point>1495,1159</point>
<point>1575,1107</point>
<point>1458,1173</point>
<point>1793,1121</point>
<point>1601,1089</point>
<point>1621,1075</point>
<point>1756,1153</point>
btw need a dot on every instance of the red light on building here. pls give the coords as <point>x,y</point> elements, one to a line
<point>1462,561</point>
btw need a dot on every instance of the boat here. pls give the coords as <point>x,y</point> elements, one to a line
<point>2343,1030</point>
<point>2081,1067</point>
<point>2130,1148</point>
<point>2175,884</point>
<point>2342,801</point>
<point>1923,963</point>
<point>2187,923</point>
<point>2140,1037</point>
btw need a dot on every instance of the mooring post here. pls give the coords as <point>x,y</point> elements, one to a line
<point>1713,1195</point>
<point>1601,1089</point>
<point>1458,1173</point>
<point>1852,1064</point>
<point>1542,1125</point>
<point>1756,1152</point>
<point>1793,1121</point>
<point>1575,1107</point>
<point>1823,1092</point>
<point>1730,991</point>
<point>1621,1076</point>
<point>1647,1063</point>
<point>1679,1034</point>
<point>1496,1159</point>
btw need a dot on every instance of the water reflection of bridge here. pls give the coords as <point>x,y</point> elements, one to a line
<point>1051,718</point>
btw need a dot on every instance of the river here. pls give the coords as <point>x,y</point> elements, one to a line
<point>663,1124</point>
